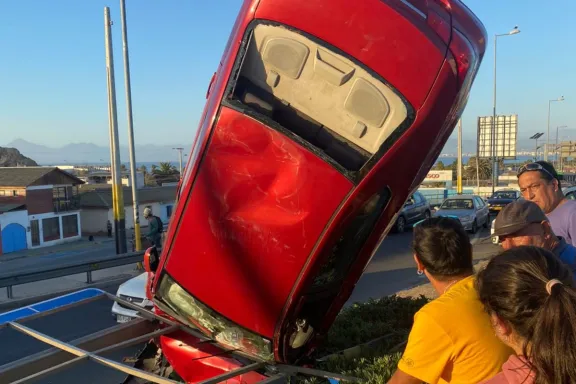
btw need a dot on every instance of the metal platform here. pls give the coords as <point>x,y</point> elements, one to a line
<point>64,355</point>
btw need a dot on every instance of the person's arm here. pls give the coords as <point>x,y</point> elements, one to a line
<point>427,353</point>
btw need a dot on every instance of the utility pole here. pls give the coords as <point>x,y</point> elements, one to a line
<point>459,180</point>
<point>133,179</point>
<point>180,158</point>
<point>117,190</point>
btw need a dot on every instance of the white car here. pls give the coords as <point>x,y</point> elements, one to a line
<point>495,239</point>
<point>133,291</point>
<point>570,192</point>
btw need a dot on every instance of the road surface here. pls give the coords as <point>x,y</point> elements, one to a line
<point>391,270</point>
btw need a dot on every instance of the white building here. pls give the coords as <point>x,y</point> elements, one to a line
<point>105,177</point>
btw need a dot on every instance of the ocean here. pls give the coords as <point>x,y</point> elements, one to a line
<point>450,160</point>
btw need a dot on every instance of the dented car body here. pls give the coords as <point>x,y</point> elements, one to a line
<point>322,118</point>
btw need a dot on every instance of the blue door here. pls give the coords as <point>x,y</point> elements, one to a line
<point>13,238</point>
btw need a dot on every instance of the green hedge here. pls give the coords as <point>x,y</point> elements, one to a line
<point>389,319</point>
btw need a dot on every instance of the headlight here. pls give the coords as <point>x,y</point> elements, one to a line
<point>197,315</point>
<point>466,218</point>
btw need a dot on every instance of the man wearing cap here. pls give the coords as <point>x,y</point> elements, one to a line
<point>154,229</point>
<point>523,223</point>
<point>539,182</point>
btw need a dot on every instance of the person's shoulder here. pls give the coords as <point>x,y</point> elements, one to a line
<point>569,205</point>
<point>460,296</point>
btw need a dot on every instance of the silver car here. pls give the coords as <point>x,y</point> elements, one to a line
<point>471,210</point>
<point>570,192</point>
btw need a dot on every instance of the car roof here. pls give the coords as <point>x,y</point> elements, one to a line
<point>461,197</point>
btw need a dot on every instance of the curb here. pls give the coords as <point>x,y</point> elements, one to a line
<point>103,285</point>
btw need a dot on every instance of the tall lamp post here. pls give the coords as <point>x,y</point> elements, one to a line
<point>536,137</point>
<point>561,98</point>
<point>515,31</point>
<point>556,151</point>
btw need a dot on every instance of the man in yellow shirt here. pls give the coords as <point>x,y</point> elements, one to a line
<point>452,339</point>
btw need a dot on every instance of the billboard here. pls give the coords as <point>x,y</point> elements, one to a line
<point>505,136</point>
<point>438,176</point>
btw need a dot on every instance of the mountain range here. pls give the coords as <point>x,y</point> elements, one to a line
<point>87,153</point>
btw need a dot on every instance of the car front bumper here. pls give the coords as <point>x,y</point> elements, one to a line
<point>123,314</point>
<point>467,224</point>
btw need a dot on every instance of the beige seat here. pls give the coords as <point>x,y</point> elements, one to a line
<point>324,86</point>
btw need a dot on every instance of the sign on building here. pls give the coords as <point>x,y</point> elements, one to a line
<point>438,176</point>
<point>505,136</point>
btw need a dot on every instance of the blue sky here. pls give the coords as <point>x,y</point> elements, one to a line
<point>52,69</point>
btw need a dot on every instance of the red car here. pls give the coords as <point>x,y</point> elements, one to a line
<point>323,117</point>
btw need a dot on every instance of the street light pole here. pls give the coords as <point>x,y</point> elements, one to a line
<point>117,190</point>
<point>561,98</point>
<point>180,158</point>
<point>515,31</point>
<point>128,87</point>
<point>535,138</point>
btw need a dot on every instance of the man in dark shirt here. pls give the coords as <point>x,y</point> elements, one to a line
<point>155,227</point>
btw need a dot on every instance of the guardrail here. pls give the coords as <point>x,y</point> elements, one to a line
<point>87,266</point>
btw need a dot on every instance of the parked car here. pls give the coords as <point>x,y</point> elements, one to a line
<point>415,209</point>
<point>471,210</point>
<point>502,198</point>
<point>570,192</point>
<point>133,291</point>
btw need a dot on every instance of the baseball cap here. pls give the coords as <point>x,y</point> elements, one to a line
<point>516,216</point>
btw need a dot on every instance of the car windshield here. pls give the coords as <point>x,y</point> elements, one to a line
<point>504,195</point>
<point>458,204</point>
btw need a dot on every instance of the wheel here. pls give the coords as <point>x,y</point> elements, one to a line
<point>487,222</point>
<point>474,226</point>
<point>400,224</point>
<point>426,215</point>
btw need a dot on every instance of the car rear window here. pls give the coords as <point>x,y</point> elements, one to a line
<point>327,100</point>
<point>458,204</point>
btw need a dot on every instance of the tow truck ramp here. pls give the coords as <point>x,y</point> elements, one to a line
<point>64,355</point>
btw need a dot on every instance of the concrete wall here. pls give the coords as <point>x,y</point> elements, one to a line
<point>94,220</point>
<point>17,217</point>
<point>62,239</point>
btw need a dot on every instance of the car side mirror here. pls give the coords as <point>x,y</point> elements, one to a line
<point>151,259</point>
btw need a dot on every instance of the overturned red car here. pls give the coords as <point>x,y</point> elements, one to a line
<point>322,118</point>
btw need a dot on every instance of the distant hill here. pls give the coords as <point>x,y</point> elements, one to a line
<point>86,153</point>
<point>11,157</point>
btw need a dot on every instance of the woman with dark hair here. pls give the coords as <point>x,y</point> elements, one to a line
<point>529,294</point>
<point>452,340</point>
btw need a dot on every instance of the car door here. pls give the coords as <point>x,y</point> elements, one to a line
<point>411,212</point>
<point>482,211</point>
<point>421,203</point>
